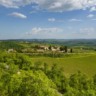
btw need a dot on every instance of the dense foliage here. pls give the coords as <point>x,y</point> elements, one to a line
<point>5,45</point>
<point>20,77</point>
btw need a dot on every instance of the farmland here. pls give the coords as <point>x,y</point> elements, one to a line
<point>85,63</point>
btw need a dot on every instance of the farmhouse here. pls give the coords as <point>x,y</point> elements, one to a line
<point>55,48</point>
<point>44,47</point>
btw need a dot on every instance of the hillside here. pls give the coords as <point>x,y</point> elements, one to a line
<point>85,63</point>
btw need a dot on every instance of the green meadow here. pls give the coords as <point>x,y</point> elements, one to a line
<point>86,63</point>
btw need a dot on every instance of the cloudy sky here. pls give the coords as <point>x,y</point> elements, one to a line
<point>44,19</point>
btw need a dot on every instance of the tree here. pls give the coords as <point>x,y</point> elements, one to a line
<point>50,47</point>
<point>32,84</point>
<point>71,50</point>
<point>62,48</point>
<point>65,48</point>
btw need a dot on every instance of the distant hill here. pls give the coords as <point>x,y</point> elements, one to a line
<point>67,42</point>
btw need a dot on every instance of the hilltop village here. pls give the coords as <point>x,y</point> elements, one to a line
<point>43,49</point>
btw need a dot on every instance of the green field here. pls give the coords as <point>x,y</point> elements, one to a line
<point>86,63</point>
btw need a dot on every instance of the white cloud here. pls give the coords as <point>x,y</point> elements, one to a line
<point>8,3</point>
<point>87,31</point>
<point>39,30</point>
<point>83,33</point>
<point>51,19</point>
<point>18,15</point>
<point>75,20</point>
<point>62,33</point>
<point>90,16</point>
<point>65,5</point>
<point>55,20</point>
<point>93,9</point>
<point>52,5</point>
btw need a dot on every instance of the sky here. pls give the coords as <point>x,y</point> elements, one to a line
<point>47,19</point>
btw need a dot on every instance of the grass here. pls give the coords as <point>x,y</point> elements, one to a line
<point>86,63</point>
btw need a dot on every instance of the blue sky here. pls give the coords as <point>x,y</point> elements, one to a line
<point>45,19</point>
